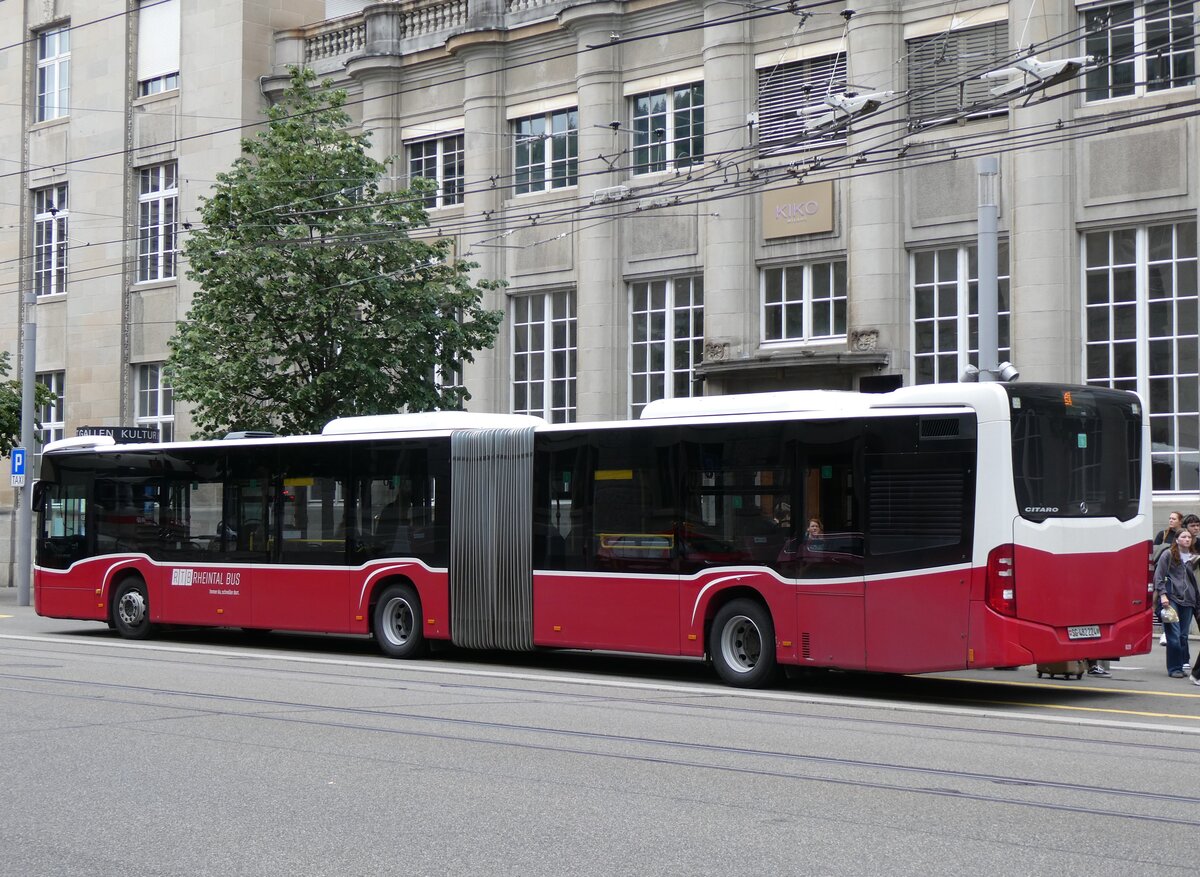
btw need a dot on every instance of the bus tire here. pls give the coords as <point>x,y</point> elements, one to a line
<point>742,644</point>
<point>131,609</point>
<point>397,622</point>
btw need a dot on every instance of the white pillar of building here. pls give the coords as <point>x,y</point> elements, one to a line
<point>484,138</point>
<point>1045,325</point>
<point>873,203</point>
<point>730,282</point>
<point>600,301</point>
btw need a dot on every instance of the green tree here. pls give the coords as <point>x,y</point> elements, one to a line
<point>10,407</point>
<point>315,301</point>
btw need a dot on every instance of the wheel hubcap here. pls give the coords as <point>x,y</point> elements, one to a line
<point>132,608</point>
<point>398,621</point>
<point>741,644</point>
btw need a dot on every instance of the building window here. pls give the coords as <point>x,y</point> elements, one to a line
<point>158,84</point>
<point>668,129</point>
<point>547,151</point>
<point>158,46</point>
<point>791,97</point>
<point>440,161</point>
<point>1141,317</point>
<point>1139,48</point>
<point>158,196</point>
<point>50,240</point>
<point>155,400</point>
<point>543,345</point>
<point>51,415</point>
<point>945,296</point>
<point>943,73</point>
<point>804,302</point>
<point>53,73</point>
<point>666,335</point>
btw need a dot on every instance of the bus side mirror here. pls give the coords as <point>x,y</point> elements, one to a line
<point>39,495</point>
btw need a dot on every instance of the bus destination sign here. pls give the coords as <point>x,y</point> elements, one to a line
<point>124,435</point>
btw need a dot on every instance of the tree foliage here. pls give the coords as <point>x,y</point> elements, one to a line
<point>10,406</point>
<point>315,301</point>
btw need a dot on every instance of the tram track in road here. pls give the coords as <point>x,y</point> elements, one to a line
<point>747,761</point>
<point>925,694</point>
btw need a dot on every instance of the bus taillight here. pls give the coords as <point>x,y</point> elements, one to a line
<point>1000,588</point>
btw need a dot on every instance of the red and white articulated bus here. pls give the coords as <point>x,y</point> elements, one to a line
<point>961,526</point>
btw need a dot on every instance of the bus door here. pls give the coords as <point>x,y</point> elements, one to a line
<point>309,589</point>
<point>607,541</point>
<point>920,510</point>
<point>231,516</point>
<point>825,553</point>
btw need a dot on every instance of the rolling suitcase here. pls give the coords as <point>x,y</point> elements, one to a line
<point>1065,669</point>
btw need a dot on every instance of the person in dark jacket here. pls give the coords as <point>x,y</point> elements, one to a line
<point>1175,587</point>
<point>1174,525</point>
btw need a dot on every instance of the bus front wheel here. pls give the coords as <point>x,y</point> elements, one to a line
<point>131,609</point>
<point>397,622</point>
<point>742,644</point>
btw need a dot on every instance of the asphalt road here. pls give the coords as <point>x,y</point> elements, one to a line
<point>209,752</point>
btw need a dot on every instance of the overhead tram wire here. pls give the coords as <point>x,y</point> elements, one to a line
<point>630,39</point>
<point>740,18</point>
<point>907,98</point>
<point>576,210</point>
<point>769,178</point>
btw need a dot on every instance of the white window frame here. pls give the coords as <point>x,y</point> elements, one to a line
<point>799,304</point>
<point>158,85</point>
<point>544,350</point>
<point>965,319</point>
<point>681,144</point>
<point>791,93</point>
<point>50,240</point>
<point>554,131</point>
<point>159,37</point>
<point>1152,365</point>
<point>666,338</point>
<point>158,217</point>
<point>53,74</point>
<point>52,415</point>
<point>155,399</point>
<point>1142,57</point>
<point>447,148</point>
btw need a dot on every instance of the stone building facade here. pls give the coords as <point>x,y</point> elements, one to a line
<point>683,196</point>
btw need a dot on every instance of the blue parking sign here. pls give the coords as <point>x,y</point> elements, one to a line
<point>18,467</point>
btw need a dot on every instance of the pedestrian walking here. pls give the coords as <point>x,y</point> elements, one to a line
<point>1176,592</point>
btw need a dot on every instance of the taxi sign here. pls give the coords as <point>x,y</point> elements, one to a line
<point>18,467</point>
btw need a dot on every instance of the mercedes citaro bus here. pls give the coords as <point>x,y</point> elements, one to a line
<point>932,528</point>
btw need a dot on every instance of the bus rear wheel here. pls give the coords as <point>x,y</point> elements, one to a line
<point>131,609</point>
<point>742,644</point>
<point>397,622</point>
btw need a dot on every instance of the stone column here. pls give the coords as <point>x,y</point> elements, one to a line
<point>730,229</point>
<point>378,70</point>
<point>1038,198</point>
<point>482,56</point>
<point>600,300</point>
<point>872,204</point>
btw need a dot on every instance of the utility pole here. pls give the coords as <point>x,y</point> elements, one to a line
<point>989,296</point>
<point>24,569</point>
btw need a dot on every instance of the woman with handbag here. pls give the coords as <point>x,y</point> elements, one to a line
<point>1176,592</point>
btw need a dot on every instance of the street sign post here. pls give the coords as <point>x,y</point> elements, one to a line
<point>18,467</point>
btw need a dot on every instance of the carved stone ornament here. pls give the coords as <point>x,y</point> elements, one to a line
<point>716,351</point>
<point>864,339</point>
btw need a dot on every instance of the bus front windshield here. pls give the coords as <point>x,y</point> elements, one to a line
<point>1077,452</point>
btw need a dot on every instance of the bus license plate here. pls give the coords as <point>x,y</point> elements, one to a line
<point>1087,631</point>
